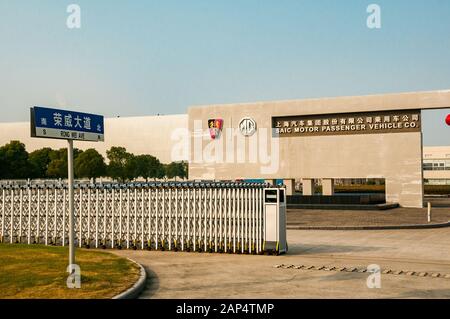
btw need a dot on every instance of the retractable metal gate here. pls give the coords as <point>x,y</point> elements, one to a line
<point>210,217</point>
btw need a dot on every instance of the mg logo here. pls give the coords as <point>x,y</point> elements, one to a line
<point>247,126</point>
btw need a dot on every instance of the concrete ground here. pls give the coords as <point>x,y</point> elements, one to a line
<point>201,275</point>
<point>392,217</point>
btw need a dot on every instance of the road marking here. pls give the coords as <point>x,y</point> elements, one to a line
<point>362,270</point>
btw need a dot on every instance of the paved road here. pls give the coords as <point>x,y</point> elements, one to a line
<point>200,275</point>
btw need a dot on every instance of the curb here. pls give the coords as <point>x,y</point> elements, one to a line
<point>137,288</point>
<point>373,207</point>
<point>423,226</point>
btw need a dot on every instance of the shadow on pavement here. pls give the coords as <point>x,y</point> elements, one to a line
<point>342,276</point>
<point>306,249</point>
<point>151,286</point>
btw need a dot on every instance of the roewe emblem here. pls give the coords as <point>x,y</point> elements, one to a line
<point>215,127</point>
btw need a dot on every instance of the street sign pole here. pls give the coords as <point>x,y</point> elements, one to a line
<point>67,125</point>
<point>71,203</point>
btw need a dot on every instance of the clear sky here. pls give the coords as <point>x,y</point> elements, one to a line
<point>143,57</point>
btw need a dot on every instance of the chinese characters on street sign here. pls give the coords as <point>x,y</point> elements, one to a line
<point>347,123</point>
<point>68,125</point>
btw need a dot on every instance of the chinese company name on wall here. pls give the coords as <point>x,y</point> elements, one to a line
<point>347,123</point>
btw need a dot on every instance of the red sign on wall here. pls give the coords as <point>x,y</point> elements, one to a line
<point>215,127</point>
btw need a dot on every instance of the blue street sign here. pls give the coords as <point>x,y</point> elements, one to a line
<point>68,125</point>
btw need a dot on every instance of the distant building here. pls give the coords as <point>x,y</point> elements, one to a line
<point>139,135</point>
<point>376,137</point>
<point>436,165</point>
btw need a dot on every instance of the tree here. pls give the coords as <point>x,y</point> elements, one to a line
<point>160,171</point>
<point>2,163</point>
<point>39,161</point>
<point>90,164</point>
<point>176,169</point>
<point>148,166</point>
<point>121,164</point>
<point>185,166</point>
<point>57,168</point>
<point>14,160</point>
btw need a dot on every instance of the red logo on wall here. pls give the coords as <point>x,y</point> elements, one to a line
<point>215,127</point>
<point>447,120</point>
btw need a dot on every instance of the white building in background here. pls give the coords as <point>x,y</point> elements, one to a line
<point>436,165</point>
<point>357,137</point>
<point>139,135</point>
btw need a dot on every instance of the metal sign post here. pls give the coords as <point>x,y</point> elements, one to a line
<point>71,207</point>
<point>68,125</point>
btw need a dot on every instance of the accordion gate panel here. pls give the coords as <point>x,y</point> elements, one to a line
<point>208,217</point>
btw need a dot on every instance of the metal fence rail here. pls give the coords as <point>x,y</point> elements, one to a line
<point>210,217</point>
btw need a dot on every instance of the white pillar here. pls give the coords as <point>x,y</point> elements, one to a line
<point>328,187</point>
<point>409,195</point>
<point>290,186</point>
<point>308,186</point>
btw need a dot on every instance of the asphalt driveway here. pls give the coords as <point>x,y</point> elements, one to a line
<point>410,252</point>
